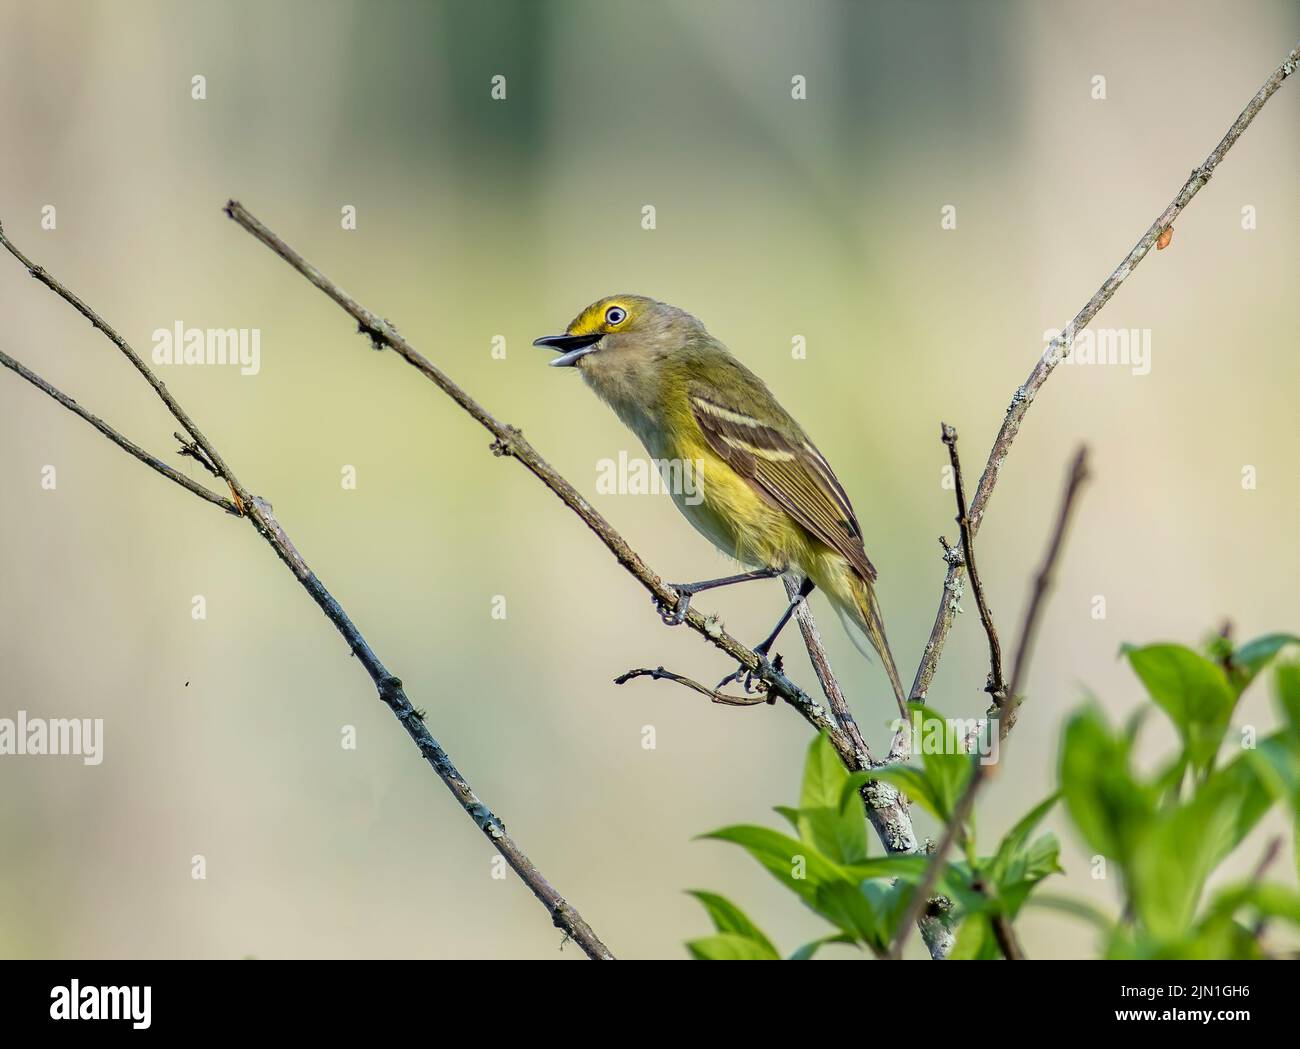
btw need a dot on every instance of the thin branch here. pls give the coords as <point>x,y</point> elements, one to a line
<point>1005,934</point>
<point>996,687</point>
<point>956,826</point>
<point>812,639</point>
<point>128,446</point>
<point>660,674</point>
<point>1059,348</point>
<point>193,451</point>
<point>1042,584</point>
<point>389,687</point>
<point>187,424</point>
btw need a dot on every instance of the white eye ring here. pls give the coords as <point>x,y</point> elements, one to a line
<point>615,315</point>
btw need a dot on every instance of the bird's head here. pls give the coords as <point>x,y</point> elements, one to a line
<point>621,330</point>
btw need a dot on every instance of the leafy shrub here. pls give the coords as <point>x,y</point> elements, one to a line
<point>1164,832</point>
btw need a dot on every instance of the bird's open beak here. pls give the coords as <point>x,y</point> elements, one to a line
<point>575,346</point>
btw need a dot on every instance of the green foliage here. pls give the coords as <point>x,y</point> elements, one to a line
<point>730,920</point>
<point>730,947</point>
<point>1163,832</point>
<point>1167,835</point>
<point>1194,692</point>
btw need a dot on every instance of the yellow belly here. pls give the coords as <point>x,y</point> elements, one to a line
<point>731,514</point>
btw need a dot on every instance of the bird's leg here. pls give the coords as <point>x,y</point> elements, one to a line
<point>765,646</point>
<point>805,588</point>
<point>685,591</point>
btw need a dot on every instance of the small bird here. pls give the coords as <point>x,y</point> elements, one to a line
<point>762,492</point>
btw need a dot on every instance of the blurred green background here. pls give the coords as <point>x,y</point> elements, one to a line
<point>478,218</point>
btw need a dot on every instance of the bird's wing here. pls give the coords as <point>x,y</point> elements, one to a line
<point>788,470</point>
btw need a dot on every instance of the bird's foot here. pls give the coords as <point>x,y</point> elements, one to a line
<point>675,615</point>
<point>746,676</point>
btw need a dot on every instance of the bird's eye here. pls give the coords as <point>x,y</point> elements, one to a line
<point>615,315</point>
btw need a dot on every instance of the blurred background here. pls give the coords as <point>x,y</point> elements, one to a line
<point>478,218</point>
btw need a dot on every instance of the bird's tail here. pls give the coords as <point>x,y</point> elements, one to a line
<point>855,600</point>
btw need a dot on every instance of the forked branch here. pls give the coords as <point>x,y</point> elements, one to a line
<point>258,512</point>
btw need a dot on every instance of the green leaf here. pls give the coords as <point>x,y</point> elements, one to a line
<point>845,905</point>
<point>1194,692</point>
<point>975,940</point>
<point>1108,805</point>
<point>823,775</point>
<point>908,867</point>
<point>1026,870</point>
<point>731,947</point>
<point>869,912</point>
<point>1223,932</point>
<point>1275,764</point>
<point>1168,783</point>
<point>1076,908</point>
<point>838,836</point>
<point>1267,899</point>
<point>1286,687</point>
<point>1013,844</point>
<point>795,864</point>
<point>947,765</point>
<point>1254,656</point>
<point>889,902</point>
<point>806,952</point>
<point>822,820</point>
<point>727,917</point>
<point>1184,845</point>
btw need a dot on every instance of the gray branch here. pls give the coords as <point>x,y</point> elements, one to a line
<point>260,515</point>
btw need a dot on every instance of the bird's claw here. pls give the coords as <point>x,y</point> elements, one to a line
<point>746,676</point>
<point>741,671</point>
<point>676,615</point>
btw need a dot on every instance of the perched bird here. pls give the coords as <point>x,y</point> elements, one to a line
<point>762,493</point>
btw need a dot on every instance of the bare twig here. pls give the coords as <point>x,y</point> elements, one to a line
<point>660,674</point>
<point>812,639</point>
<point>187,424</point>
<point>1059,348</point>
<point>152,461</point>
<point>996,687</point>
<point>956,826</point>
<point>193,451</point>
<point>1042,584</point>
<point>1004,932</point>
<point>259,513</point>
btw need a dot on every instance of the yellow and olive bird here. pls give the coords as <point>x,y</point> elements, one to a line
<point>763,493</point>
